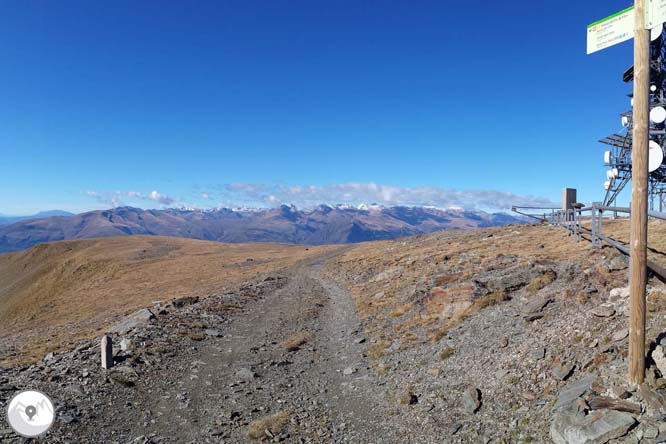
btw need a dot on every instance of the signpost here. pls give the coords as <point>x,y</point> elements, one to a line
<point>609,31</point>
<point>655,13</point>
<point>635,22</point>
<point>639,197</point>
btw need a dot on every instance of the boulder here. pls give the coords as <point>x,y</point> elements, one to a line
<point>471,399</point>
<point>659,359</point>
<point>596,428</point>
<point>245,375</point>
<point>573,391</point>
<point>618,294</point>
<point>617,263</point>
<point>136,319</point>
<point>562,371</point>
<point>537,304</point>
<point>652,398</point>
<point>620,335</point>
<point>603,311</point>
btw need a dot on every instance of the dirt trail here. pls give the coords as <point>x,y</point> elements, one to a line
<point>326,386</point>
<point>205,373</point>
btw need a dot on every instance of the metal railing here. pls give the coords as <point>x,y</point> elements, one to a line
<point>572,219</point>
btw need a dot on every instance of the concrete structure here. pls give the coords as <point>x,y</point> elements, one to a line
<point>107,351</point>
<point>568,198</point>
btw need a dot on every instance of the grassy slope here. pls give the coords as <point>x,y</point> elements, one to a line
<point>54,293</point>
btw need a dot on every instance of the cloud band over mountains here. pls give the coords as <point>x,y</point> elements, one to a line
<point>353,193</point>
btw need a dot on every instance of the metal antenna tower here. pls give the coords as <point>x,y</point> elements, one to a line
<point>618,158</point>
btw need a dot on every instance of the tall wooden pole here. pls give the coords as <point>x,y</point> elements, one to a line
<point>639,196</point>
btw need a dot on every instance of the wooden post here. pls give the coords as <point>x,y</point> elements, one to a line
<point>639,196</point>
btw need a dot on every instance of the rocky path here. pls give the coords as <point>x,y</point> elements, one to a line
<point>282,361</point>
<point>325,386</point>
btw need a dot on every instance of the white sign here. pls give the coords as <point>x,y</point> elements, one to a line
<point>655,13</point>
<point>609,31</point>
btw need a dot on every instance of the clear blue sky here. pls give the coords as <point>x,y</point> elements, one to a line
<point>106,102</point>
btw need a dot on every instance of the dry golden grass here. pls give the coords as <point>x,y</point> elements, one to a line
<point>295,341</point>
<point>401,310</point>
<point>541,281</point>
<point>425,281</point>
<point>446,354</point>
<point>619,230</point>
<point>274,423</point>
<point>56,293</point>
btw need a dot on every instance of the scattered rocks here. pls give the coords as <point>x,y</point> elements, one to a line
<point>471,399</point>
<point>245,375</point>
<point>617,263</point>
<point>651,397</point>
<point>538,353</point>
<point>125,344</point>
<point>562,371</point>
<point>349,371</point>
<point>618,294</point>
<point>603,311</point>
<point>408,398</point>
<point>504,342</point>
<point>213,332</point>
<point>184,301</point>
<point>620,335</point>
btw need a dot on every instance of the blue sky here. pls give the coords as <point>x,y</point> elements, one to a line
<point>261,102</point>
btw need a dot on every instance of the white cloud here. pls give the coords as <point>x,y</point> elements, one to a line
<point>119,198</point>
<point>353,193</point>
<point>357,193</point>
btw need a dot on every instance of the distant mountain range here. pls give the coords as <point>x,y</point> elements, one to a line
<point>7,220</point>
<point>317,226</point>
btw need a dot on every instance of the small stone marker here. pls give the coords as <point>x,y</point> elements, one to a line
<point>107,352</point>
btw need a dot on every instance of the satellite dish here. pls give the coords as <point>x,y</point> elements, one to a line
<point>658,114</point>
<point>615,172</point>
<point>607,184</point>
<point>609,174</point>
<point>632,101</point>
<point>625,121</point>
<point>655,32</point>
<point>653,88</point>
<point>607,157</point>
<point>656,156</point>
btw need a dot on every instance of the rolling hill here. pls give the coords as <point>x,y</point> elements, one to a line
<point>7,220</point>
<point>317,226</point>
<point>56,292</point>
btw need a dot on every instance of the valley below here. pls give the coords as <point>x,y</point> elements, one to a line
<point>513,334</point>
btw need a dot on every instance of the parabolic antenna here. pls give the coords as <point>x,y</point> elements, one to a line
<point>632,101</point>
<point>607,157</point>
<point>656,156</point>
<point>615,172</point>
<point>658,114</point>
<point>609,174</point>
<point>653,88</point>
<point>625,121</point>
<point>607,184</point>
<point>655,32</point>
